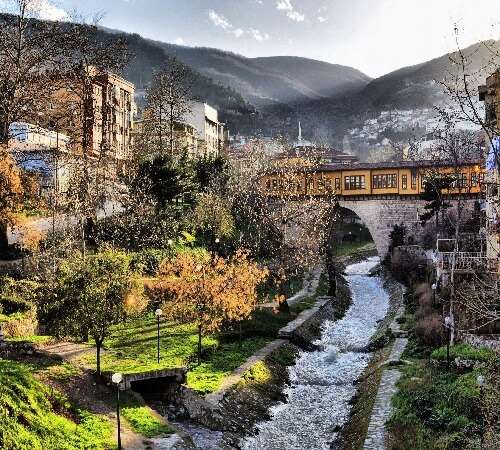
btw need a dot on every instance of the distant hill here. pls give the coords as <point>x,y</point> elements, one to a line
<point>271,94</point>
<point>267,81</point>
<point>327,80</point>
<point>409,88</point>
<point>420,85</point>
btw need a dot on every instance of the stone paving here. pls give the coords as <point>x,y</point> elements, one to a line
<point>382,409</point>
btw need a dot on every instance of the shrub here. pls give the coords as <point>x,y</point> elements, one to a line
<point>20,324</point>
<point>148,261</point>
<point>429,330</point>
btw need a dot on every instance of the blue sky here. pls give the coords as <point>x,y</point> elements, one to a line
<point>375,36</point>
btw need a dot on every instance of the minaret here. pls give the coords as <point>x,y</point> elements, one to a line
<point>300,133</point>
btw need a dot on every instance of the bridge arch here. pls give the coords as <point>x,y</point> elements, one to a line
<point>380,216</point>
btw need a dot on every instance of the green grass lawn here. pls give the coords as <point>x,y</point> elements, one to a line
<point>133,345</point>
<point>140,418</point>
<point>346,248</point>
<point>36,417</point>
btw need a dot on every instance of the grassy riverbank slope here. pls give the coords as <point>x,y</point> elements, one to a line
<point>441,407</point>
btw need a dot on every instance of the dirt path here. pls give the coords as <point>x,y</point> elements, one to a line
<point>68,351</point>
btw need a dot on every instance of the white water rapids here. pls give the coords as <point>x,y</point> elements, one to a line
<point>322,382</point>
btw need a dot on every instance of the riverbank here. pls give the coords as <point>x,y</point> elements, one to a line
<point>441,405</point>
<point>354,433</point>
<point>322,382</point>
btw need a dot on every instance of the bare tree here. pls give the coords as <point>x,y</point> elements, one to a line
<point>168,102</point>
<point>28,56</point>
<point>88,59</point>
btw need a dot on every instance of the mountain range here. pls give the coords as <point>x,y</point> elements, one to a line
<point>271,95</point>
<point>282,90</point>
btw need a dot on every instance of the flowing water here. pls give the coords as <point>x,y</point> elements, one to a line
<point>322,382</point>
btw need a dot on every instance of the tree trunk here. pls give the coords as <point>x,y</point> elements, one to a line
<point>98,345</point>
<point>199,344</point>
<point>4,239</point>
<point>240,342</point>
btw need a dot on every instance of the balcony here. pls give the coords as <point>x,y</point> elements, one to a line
<point>466,262</point>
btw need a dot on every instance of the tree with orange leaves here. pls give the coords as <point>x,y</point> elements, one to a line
<point>209,290</point>
<point>10,195</point>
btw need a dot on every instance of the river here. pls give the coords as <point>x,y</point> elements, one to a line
<point>322,382</point>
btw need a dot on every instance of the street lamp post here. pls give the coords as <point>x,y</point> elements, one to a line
<point>158,314</point>
<point>481,382</point>
<point>434,287</point>
<point>117,378</point>
<point>447,324</point>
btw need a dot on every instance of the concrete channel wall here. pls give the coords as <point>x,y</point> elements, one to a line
<point>212,409</point>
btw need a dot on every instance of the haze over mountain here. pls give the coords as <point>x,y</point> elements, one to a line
<point>264,81</point>
<point>287,89</point>
<point>421,85</point>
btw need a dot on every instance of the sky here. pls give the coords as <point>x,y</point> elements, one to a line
<point>374,36</point>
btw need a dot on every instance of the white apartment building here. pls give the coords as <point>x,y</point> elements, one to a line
<point>210,132</point>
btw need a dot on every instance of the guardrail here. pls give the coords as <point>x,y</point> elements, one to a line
<point>467,262</point>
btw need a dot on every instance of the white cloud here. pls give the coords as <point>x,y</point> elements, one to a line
<point>219,20</point>
<point>284,5</point>
<point>46,10</point>
<point>258,35</point>
<point>42,9</point>
<point>238,32</point>
<point>296,16</point>
<point>322,19</point>
<point>180,41</point>
<point>291,12</point>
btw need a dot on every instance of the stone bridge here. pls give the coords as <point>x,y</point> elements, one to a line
<point>380,216</point>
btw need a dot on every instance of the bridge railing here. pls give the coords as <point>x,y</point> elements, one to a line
<point>467,262</point>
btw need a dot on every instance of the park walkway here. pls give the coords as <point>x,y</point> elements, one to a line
<point>382,409</point>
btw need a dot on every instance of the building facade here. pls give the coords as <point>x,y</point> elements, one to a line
<point>490,94</point>
<point>211,133</point>
<point>114,110</point>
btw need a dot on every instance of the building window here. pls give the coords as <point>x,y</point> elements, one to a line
<point>414,178</point>
<point>473,179</point>
<point>354,182</point>
<point>404,182</point>
<point>337,184</point>
<point>385,181</point>
<point>461,181</point>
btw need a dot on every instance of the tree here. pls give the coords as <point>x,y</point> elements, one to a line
<point>28,56</point>
<point>166,181</point>
<point>10,195</point>
<point>435,186</point>
<point>213,219</point>
<point>213,173</point>
<point>209,290</point>
<point>87,59</point>
<point>89,295</point>
<point>167,103</point>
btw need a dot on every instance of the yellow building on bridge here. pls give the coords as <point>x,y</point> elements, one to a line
<point>362,180</point>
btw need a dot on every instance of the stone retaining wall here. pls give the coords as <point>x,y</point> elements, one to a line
<point>242,402</point>
<point>306,328</point>
<point>11,350</point>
